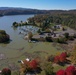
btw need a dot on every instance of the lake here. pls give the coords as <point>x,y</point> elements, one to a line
<point>17,42</point>
<point>18,48</point>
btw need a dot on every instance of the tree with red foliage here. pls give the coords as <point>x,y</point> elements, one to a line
<point>63,57</point>
<point>61,72</point>
<point>33,64</point>
<point>57,59</point>
<point>6,71</point>
<point>70,70</point>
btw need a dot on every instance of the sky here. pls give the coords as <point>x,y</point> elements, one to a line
<point>40,4</point>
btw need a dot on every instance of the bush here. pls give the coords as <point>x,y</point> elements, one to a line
<point>56,59</point>
<point>29,66</point>
<point>59,40</point>
<point>39,31</point>
<point>66,35</point>
<point>62,40</point>
<point>15,24</point>
<point>49,39</point>
<point>33,64</point>
<point>71,37</point>
<point>71,70</point>
<point>61,58</point>
<point>55,40</point>
<point>6,71</point>
<point>61,72</point>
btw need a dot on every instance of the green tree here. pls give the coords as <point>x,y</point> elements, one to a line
<point>66,35</point>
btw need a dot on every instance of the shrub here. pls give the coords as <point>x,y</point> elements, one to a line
<point>62,40</point>
<point>56,59</point>
<point>71,37</point>
<point>70,70</point>
<point>33,64</point>
<point>63,57</point>
<point>29,66</point>
<point>55,40</point>
<point>66,35</point>
<point>59,40</point>
<point>61,72</point>
<point>49,39</point>
<point>15,24</point>
<point>39,31</point>
<point>6,71</point>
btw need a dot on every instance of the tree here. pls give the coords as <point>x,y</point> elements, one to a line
<point>57,59</point>
<point>70,70</point>
<point>61,40</point>
<point>6,71</point>
<point>66,35</point>
<point>63,57</point>
<point>29,66</point>
<point>15,24</point>
<point>4,37</point>
<point>33,64</point>
<point>61,72</point>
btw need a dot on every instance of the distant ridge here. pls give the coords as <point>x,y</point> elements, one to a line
<point>8,8</point>
<point>22,11</point>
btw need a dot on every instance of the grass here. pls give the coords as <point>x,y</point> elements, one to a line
<point>42,49</point>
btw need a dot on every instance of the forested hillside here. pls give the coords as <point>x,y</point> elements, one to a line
<point>19,11</point>
<point>46,20</point>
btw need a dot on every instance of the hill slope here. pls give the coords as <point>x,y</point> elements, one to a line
<point>22,11</point>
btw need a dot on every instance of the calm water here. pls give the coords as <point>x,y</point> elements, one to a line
<point>17,43</point>
<point>6,23</point>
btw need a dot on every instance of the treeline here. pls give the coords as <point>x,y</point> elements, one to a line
<point>20,11</point>
<point>47,20</point>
